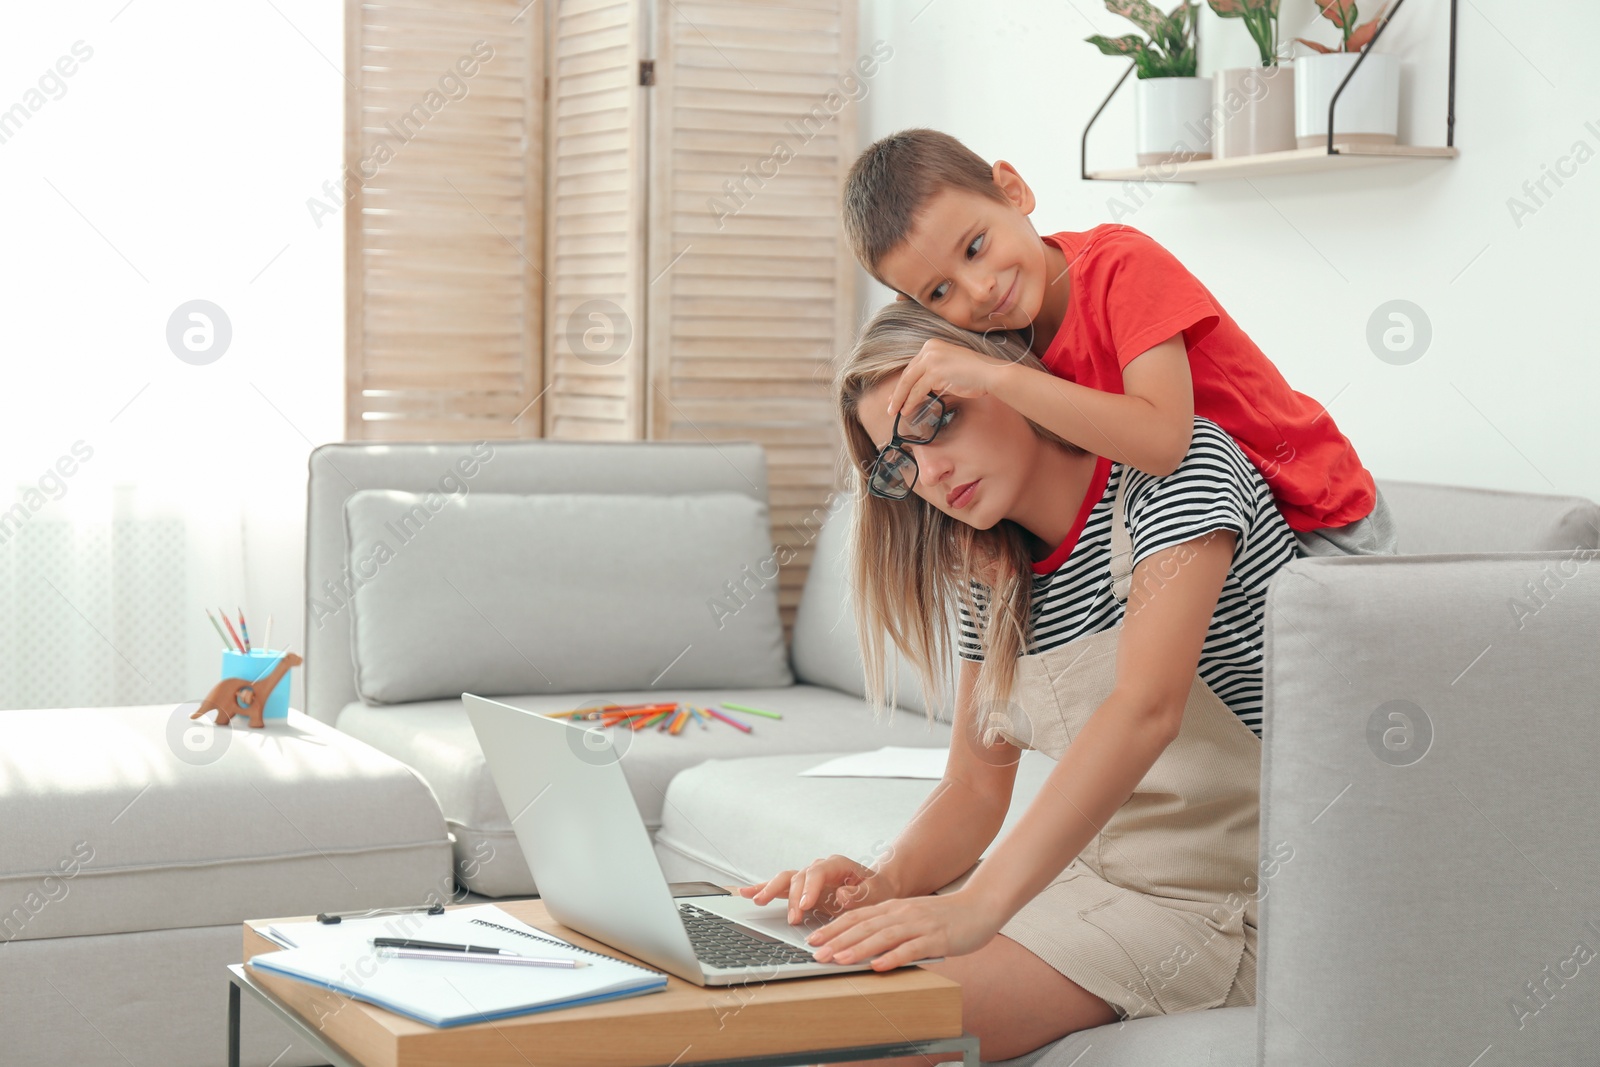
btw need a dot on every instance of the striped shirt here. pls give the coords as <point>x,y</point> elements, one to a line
<point>1215,487</point>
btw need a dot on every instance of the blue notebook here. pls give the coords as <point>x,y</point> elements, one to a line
<point>446,993</point>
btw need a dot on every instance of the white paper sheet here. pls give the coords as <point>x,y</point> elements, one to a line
<point>891,761</point>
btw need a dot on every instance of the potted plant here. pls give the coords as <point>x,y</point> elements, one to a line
<point>1172,104</point>
<point>1254,105</point>
<point>1369,108</point>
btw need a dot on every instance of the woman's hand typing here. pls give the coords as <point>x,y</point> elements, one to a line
<point>834,884</point>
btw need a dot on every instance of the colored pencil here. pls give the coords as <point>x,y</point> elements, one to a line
<point>753,711</point>
<point>608,708</point>
<point>245,631</point>
<point>238,643</point>
<point>730,722</point>
<point>220,634</point>
<point>611,718</point>
<point>700,717</point>
<point>647,720</point>
<point>678,723</point>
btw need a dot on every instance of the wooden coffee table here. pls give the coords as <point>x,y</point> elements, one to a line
<point>854,1016</point>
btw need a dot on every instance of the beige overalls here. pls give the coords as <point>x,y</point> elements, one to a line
<point>1158,914</point>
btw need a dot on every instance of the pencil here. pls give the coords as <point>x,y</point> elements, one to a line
<point>730,722</point>
<point>245,630</point>
<point>700,717</point>
<point>646,720</point>
<point>231,633</point>
<point>610,718</point>
<point>220,634</point>
<point>607,709</point>
<point>753,711</point>
<point>678,723</point>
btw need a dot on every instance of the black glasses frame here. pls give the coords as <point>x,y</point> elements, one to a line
<point>878,471</point>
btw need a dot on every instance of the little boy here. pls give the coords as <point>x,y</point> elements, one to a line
<point>1134,344</point>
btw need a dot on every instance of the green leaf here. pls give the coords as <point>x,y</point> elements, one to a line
<point>1130,45</point>
<point>1362,35</point>
<point>1141,13</point>
<point>1338,12</point>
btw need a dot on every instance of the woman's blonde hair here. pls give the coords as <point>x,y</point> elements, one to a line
<point>910,562</point>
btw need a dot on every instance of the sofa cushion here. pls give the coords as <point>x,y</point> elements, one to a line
<point>825,647</point>
<point>436,738</point>
<point>1447,518</point>
<point>139,818</point>
<point>503,593</point>
<point>708,819</point>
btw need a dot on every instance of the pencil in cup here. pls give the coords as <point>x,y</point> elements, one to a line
<point>232,633</point>
<point>215,625</point>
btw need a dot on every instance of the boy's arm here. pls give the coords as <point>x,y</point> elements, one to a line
<point>1148,426</point>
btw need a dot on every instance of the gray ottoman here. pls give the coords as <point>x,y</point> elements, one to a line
<point>134,841</point>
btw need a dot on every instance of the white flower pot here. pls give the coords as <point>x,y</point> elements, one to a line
<point>1254,107</point>
<point>1369,107</point>
<point>1174,119</point>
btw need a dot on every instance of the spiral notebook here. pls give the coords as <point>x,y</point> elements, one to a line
<point>443,992</point>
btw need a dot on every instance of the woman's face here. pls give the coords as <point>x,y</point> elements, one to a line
<point>982,456</point>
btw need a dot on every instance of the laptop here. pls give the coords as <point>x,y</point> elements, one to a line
<point>590,853</point>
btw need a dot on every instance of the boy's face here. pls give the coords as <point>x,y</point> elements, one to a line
<point>973,261</point>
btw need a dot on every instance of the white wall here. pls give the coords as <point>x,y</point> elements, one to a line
<point>1505,396</point>
<point>173,164</point>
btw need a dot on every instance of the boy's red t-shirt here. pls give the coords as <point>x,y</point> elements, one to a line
<point>1128,294</point>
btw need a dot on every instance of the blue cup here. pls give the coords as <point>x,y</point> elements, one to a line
<point>254,666</point>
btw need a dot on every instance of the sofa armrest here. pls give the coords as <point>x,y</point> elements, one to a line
<point>1430,846</point>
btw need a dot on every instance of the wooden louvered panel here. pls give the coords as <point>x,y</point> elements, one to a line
<point>753,291</point>
<point>443,243</point>
<point>594,341</point>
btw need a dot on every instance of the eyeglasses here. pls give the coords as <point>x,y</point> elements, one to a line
<point>894,471</point>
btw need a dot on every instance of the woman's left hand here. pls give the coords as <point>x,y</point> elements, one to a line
<point>910,928</point>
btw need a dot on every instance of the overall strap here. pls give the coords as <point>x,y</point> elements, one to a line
<point>1121,544</point>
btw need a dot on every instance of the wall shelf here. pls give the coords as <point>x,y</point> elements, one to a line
<point>1334,155</point>
<point>1273,164</point>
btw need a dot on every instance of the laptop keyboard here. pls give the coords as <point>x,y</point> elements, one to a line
<point>720,942</point>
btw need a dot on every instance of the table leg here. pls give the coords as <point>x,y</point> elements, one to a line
<point>233,1025</point>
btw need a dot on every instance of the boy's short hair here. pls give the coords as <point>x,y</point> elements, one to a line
<point>895,178</point>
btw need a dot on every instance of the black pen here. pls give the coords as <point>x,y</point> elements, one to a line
<point>445,946</point>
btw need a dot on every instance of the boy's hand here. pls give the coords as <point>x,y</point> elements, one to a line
<point>947,370</point>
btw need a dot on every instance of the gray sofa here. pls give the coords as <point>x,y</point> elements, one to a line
<point>1427,781</point>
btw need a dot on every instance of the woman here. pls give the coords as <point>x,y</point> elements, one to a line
<point>1128,886</point>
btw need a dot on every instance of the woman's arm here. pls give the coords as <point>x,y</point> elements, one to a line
<point>1158,652</point>
<point>1175,594</point>
<point>964,812</point>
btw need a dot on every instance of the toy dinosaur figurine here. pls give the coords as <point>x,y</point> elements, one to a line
<point>236,696</point>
